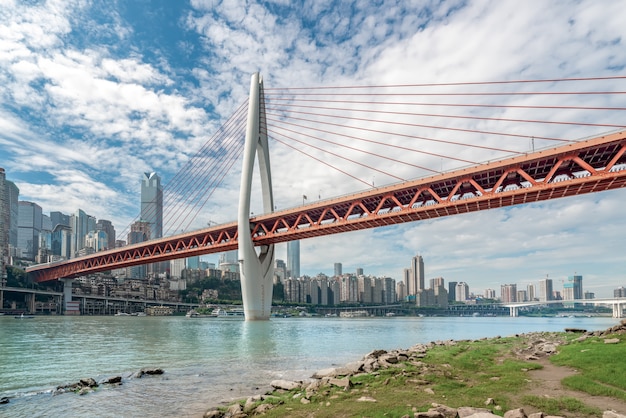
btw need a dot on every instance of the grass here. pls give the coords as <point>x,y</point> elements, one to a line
<point>601,366</point>
<point>467,374</point>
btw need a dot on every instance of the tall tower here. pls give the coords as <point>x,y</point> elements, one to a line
<point>545,290</point>
<point>4,227</point>
<point>338,269</point>
<point>417,279</point>
<point>107,226</point>
<point>293,259</point>
<point>152,203</point>
<point>28,228</point>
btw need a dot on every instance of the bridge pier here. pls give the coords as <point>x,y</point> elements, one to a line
<point>514,311</point>
<point>67,292</point>
<point>256,270</point>
<point>618,310</point>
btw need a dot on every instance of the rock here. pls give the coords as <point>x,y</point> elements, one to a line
<point>331,372</point>
<point>446,411</point>
<point>233,410</point>
<point>354,367</point>
<point>388,358</point>
<point>490,401</point>
<point>4,400</point>
<point>466,411</point>
<point>313,387</point>
<point>305,401</point>
<point>612,414</point>
<point>515,413</point>
<point>285,384</point>
<point>611,341</point>
<point>89,382</point>
<point>152,371</point>
<point>263,408</point>
<point>213,413</point>
<point>482,415</point>
<point>429,391</point>
<point>115,380</point>
<point>342,383</point>
<point>536,415</point>
<point>85,390</point>
<point>575,330</point>
<point>366,399</point>
<point>431,413</point>
<point>376,353</point>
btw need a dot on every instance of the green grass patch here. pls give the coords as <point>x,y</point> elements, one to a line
<point>556,406</point>
<point>601,367</point>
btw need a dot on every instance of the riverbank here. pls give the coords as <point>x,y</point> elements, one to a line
<point>565,374</point>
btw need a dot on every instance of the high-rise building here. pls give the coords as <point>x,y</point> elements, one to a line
<point>229,261</point>
<point>62,238</point>
<point>107,226</point>
<point>337,269</point>
<point>461,292</point>
<point>29,224</point>
<point>508,293</point>
<point>389,290</point>
<point>139,232</point>
<point>417,275</point>
<point>4,226</point>
<point>400,291</point>
<point>573,288</point>
<point>81,224</point>
<point>176,267</point>
<point>152,203</point>
<point>452,291</point>
<point>359,271</point>
<point>58,218</point>
<point>280,271</point>
<point>530,292</point>
<point>293,259</point>
<point>490,294</point>
<point>619,292</point>
<point>406,277</point>
<point>437,282</point>
<point>545,290</point>
<point>12,194</point>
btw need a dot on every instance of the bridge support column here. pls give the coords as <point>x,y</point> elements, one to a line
<point>67,292</point>
<point>618,310</point>
<point>514,311</point>
<point>256,270</point>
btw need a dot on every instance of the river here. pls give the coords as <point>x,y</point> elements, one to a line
<point>206,361</point>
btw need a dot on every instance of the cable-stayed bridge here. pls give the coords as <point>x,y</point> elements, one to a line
<point>478,146</point>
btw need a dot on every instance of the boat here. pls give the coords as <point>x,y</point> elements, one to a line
<point>22,316</point>
<point>235,313</point>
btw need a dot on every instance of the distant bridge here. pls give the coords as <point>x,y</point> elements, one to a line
<point>618,304</point>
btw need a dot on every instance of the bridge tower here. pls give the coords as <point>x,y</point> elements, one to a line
<point>256,269</point>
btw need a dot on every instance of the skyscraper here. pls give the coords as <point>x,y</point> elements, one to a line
<point>81,224</point>
<point>28,228</point>
<point>4,226</point>
<point>417,275</point>
<point>452,291</point>
<point>107,226</point>
<point>152,203</point>
<point>293,259</point>
<point>545,290</point>
<point>573,288</point>
<point>337,269</point>
<point>508,293</point>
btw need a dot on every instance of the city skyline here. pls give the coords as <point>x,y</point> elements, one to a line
<point>98,95</point>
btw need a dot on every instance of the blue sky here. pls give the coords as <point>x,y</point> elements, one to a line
<point>93,94</point>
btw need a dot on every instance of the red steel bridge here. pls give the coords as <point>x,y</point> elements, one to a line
<point>562,168</point>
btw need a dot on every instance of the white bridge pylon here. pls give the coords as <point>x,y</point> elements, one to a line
<point>256,269</point>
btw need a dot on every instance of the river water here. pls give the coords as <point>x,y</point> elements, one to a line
<point>206,361</point>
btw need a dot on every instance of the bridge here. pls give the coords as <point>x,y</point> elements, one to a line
<point>618,304</point>
<point>569,168</point>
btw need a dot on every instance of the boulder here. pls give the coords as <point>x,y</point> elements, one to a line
<point>152,371</point>
<point>515,413</point>
<point>536,415</point>
<point>115,380</point>
<point>4,400</point>
<point>444,410</point>
<point>263,408</point>
<point>213,413</point>
<point>431,413</point>
<point>366,399</point>
<point>331,372</point>
<point>612,414</point>
<point>89,382</point>
<point>611,341</point>
<point>285,384</point>
<point>342,383</point>
<point>467,411</point>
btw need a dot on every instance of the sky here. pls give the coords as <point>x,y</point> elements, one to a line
<point>93,94</point>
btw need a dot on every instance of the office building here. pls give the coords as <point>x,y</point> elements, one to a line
<point>490,294</point>
<point>416,282</point>
<point>293,259</point>
<point>545,290</point>
<point>229,262</point>
<point>620,292</point>
<point>530,292</point>
<point>139,232</point>
<point>4,226</point>
<point>338,269</point>
<point>107,226</point>
<point>461,292</point>
<point>573,288</point>
<point>452,291</point>
<point>29,225</point>
<point>152,203</point>
<point>508,293</point>
<point>81,223</point>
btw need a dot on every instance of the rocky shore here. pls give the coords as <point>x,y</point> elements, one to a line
<point>531,347</point>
